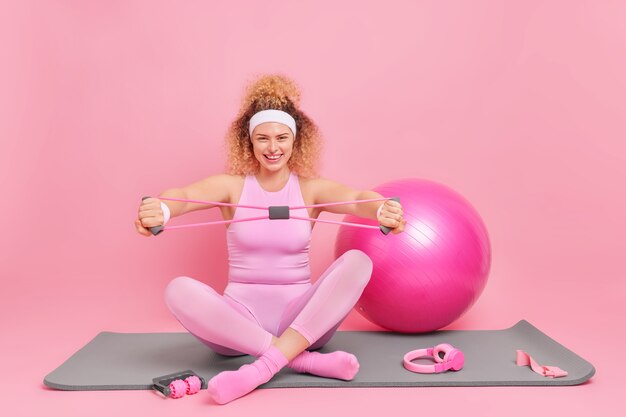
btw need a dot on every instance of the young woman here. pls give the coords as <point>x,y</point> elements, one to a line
<point>270,309</point>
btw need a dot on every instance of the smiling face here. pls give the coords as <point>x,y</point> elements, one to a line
<point>272,144</point>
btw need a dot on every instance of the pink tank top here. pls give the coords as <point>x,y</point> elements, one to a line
<point>269,251</point>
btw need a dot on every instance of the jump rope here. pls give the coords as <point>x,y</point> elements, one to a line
<point>274,213</point>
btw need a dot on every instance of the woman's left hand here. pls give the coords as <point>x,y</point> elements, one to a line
<point>391,216</point>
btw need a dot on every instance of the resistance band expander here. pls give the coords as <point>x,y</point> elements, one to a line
<point>274,213</point>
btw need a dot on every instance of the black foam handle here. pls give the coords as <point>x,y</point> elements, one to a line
<point>384,229</point>
<point>156,229</point>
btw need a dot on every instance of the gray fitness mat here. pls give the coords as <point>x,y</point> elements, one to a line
<point>124,361</point>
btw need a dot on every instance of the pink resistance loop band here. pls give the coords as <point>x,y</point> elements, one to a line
<point>524,359</point>
<point>274,213</point>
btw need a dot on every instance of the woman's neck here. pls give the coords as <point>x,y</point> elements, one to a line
<point>273,180</point>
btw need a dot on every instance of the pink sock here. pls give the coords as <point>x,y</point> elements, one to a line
<point>339,364</point>
<point>229,385</point>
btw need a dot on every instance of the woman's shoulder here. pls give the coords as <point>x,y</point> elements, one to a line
<point>225,179</point>
<point>227,182</point>
<point>232,177</point>
<point>314,187</point>
<point>321,190</point>
<point>230,184</point>
<point>307,182</point>
<point>315,182</point>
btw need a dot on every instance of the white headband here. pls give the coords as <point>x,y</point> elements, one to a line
<point>277,116</point>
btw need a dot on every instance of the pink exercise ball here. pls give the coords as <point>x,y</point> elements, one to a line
<point>429,275</point>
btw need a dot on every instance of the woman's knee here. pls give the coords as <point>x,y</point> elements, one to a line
<point>177,291</point>
<point>360,265</point>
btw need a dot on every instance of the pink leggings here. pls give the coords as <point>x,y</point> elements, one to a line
<point>243,320</point>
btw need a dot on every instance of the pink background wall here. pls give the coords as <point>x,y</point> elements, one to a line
<point>519,106</point>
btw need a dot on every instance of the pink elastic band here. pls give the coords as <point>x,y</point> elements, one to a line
<point>364,226</point>
<point>524,359</point>
<point>340,203</point>
<point>215,203</point>
<point>183,226</point>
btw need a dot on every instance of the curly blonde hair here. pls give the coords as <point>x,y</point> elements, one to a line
<point>279,93</point>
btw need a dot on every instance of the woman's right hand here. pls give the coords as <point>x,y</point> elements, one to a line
<point>150,214</point>
<point>391,216</point>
